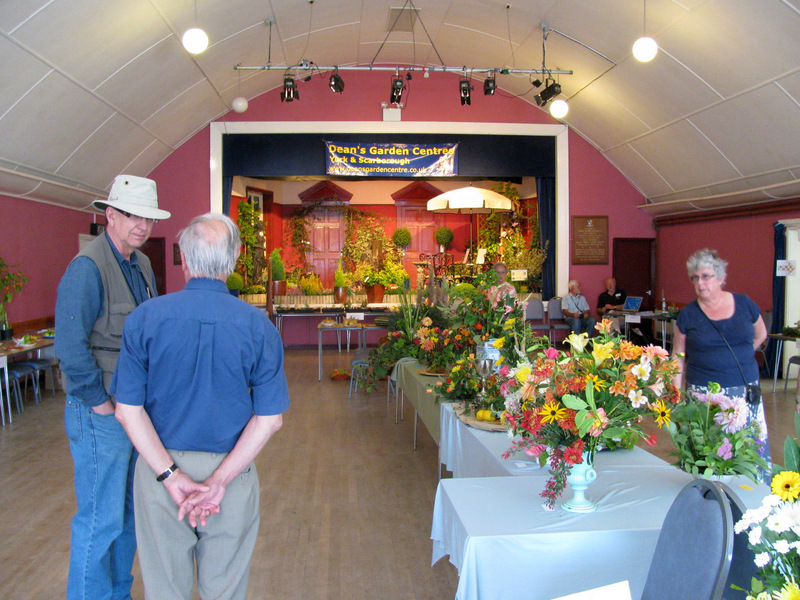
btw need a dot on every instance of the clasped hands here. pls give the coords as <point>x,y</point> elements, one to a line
<point>196,500</point>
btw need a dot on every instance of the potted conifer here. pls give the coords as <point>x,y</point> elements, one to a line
<point>278,273</point>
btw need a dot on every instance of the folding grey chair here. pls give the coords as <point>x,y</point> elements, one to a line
<point>694,549</point>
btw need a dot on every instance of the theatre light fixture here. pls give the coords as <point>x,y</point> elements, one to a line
<point>336,82</point>
<point>489,85</point>
<point>645,48</point>
<point>551,90</point>
<point>289,92</point>
<point>465,89</point>
<point>397,89</point>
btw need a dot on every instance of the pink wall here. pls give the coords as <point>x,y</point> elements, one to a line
<point>746,242</point>
<point>41,240</point>
<point>596,187</point>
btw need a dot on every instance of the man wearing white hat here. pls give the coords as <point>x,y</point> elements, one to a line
<point>101,286</point>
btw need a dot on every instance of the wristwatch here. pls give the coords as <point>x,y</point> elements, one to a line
<point>167,473</point>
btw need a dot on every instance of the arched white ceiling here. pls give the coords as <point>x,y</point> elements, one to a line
<point>713,121</point>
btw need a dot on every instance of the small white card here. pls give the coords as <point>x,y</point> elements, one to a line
<point>356,316</point>
<point>519,274</point>
<point>633,319</point>
<point>481,259</point>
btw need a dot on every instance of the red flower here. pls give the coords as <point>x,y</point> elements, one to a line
<point>650,440</point>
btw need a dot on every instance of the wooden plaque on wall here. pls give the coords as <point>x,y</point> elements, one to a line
<point>590,240</point>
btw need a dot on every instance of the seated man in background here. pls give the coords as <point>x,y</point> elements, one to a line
<point>576,310</point>
<point>611,299</point>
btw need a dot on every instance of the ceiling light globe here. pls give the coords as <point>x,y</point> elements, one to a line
<point>645,49</point>
<point>195,40</point>
<point>239,104</point>
<point>559,109</point>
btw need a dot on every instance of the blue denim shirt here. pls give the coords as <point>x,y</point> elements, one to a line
<point>79,304</point>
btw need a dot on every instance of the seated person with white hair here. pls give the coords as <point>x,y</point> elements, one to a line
<point>576,310</point>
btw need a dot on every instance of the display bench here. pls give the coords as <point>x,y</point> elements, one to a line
<point>298,324</point>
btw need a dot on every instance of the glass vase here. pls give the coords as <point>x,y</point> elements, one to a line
<point>579,478</point>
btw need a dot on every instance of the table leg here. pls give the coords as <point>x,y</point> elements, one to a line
<point>8,392</point>
<point>319,353</point>
<point>777,363</point>
<point>416,421</point>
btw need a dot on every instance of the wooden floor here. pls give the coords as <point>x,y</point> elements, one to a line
<point>346,503</point>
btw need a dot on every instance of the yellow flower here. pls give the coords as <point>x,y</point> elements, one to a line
<point>552,412</point>
<point>661,413</point>
<point>523,373</point>
<point>499,361</point>
<point>598,383</point>
<point>786,484</point>
<point>602,351</point>
<point>578,341</point>
<point>789,591</point>
<point>498,343</point>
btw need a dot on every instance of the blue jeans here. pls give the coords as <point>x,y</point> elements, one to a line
<point>103,536</point>
<point>580,325</point>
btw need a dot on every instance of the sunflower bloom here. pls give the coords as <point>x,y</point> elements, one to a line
<point>552,412</point>
<point>661,413</point>
<point>789,591</point>
<point>599,383</point>
<point>786,484</point>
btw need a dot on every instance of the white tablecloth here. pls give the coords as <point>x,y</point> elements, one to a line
<point>506,545</point>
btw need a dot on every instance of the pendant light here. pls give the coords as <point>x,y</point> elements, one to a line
<point>239,103</point>
<point>645,48</point>
<point>195,39</point>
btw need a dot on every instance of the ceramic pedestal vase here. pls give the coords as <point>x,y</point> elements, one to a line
<point>579,478</point>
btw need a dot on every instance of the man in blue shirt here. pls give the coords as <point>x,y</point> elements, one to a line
<point>200,389</point>
<point>101,286</point>
<point>576,310</point>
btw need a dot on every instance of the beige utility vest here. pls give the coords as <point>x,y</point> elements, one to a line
<point>105,339</point>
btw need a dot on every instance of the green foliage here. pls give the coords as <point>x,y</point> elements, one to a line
<point>235,281</point>
<point>390,274</point>
<point>339,277</point>
<point>791,451</point>
<point>253,289</point>
<point>401,237</point>
<point>249,228</point>
<point>278,268</point>
<point>443,236</point>
<point>11,283</point>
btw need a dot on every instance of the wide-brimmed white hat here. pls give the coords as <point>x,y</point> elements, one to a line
<point>134,195</point>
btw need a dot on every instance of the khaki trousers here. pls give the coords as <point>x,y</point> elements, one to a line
<point>169,549</point>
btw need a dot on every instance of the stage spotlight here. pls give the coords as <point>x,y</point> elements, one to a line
<point>465,89</point>
<point>547,94</point>
<point>289,92</point>
<point>336,82</point>
<point>397,90</point>
<point>489,86</point>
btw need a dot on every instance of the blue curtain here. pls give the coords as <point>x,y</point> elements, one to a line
<point>227,187</point>
<point>778,292</point>
<point>546,191</point>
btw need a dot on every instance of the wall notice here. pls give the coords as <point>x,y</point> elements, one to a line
<point>590,240</point>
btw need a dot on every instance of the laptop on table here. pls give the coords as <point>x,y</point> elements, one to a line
<point>632,304</point>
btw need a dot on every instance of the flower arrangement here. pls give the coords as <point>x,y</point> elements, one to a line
<point>11,282</point>
<point>712,436</point>
<point>462,381</point>
<point>566,405</point>
<point>773,531</point>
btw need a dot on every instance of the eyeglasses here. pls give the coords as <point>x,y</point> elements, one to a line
<point>136,217</point>
<point>704,277</point>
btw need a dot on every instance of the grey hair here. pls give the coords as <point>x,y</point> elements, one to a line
<point>706,258</point>
<point>500,263</point>
<point>571,283</point>
<point>210,246</point>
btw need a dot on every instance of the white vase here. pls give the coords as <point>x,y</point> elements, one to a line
<point>579,478</point>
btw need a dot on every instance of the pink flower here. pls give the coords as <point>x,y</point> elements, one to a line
<point>650,440</point>
<point>536,450</point>
<point>599,424</point>
<point>732,415</point>
<point>504,371</point>
<point>725,450</point>
<point>551,353</point>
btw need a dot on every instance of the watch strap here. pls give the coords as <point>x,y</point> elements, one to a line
<point>167,473</point>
